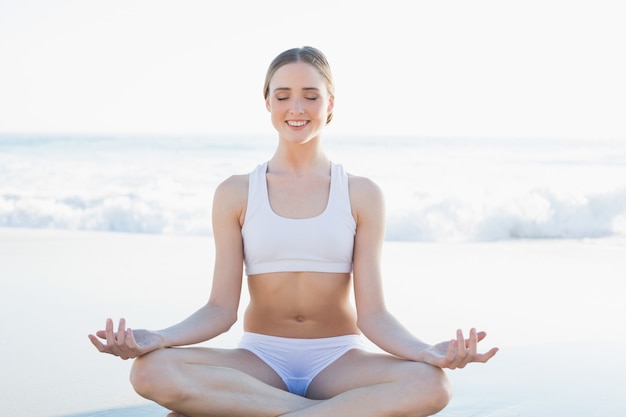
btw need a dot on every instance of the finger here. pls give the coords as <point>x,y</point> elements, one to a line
<point>470,349</point>
<point>473,342</point>
<point>492,352</point>
<point>463,348</point>
<point>460,339</point>
<point>481,335</point>
<point>130,339</point>
<point>462,344</point>
<point>451,352</point>
<point>129,349</point>
<point>94,341</point>
<point>460,353</point>
<point>110,335</point>
<point>120,339</point>
<point>465,355</point>
<point>484,357</point>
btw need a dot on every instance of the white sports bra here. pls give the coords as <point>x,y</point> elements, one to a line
<point>324,243</point>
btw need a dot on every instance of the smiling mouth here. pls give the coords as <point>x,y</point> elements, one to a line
<point>296,123</point>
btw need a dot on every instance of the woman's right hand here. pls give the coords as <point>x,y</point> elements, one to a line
<point>125,343</point>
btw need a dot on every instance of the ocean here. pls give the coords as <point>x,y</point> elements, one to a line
<point>437,189</point>
<point>524,239</point>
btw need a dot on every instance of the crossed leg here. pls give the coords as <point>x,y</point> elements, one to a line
<point>202,382</point>
<point>205,382</point>
<point>366,384</point>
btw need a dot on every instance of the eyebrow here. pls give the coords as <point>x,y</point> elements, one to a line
<point>289,89</point>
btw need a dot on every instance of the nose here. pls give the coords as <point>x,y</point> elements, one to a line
<point>296,106</point>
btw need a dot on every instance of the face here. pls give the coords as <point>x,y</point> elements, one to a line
<point>299,102</point>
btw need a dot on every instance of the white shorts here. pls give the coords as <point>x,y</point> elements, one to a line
<point>298,361</point>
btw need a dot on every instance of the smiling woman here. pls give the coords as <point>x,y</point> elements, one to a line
<point>299,112</point>
<point>309,236</point>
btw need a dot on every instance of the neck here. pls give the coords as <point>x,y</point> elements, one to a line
<point>304,159</point>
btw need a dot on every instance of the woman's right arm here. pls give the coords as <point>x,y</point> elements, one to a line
<point>220,312</point>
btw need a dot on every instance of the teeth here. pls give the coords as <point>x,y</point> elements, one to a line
<point>296,123</point>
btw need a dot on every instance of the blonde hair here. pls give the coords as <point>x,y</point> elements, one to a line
<point>306,54</point>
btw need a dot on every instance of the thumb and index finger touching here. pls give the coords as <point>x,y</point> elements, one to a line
<point>114,340</point>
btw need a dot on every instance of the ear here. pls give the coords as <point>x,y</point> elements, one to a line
<point>268,105</point>
<point>331,104</point>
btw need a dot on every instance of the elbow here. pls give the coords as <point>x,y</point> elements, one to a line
<point>363,322</point>
<point>227,318</point>
<point>220,317</point>
<point>366,321</point>
<point>230,321</point>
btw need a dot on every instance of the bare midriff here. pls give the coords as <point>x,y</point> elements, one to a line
<point>300,305</point>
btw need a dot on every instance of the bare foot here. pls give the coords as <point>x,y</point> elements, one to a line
<point>175,414</point>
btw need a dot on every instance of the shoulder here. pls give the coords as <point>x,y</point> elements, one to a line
<point>233,184</point>
<point>366,197</point>
<point>363,188</point>
<point>231,194</point>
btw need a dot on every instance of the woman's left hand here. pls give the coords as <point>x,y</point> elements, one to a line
<point>457,353</point>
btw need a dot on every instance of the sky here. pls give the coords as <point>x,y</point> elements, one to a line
<point>538,69</point>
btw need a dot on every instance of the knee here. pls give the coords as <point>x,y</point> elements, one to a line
<point>433,392</point>
<point>143,373</point>
<point>439,391</point>
<point>151,376</point>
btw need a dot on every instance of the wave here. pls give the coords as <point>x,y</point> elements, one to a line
<point>130,213</point>
<point>438,190</point>
<point>538,214</point>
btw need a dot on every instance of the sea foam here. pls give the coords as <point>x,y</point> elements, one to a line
<point>436,189</point>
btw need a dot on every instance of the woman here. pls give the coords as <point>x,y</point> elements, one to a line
<point>306,232</point>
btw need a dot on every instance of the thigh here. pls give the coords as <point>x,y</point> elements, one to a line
<point>239,359</point>
<point>358,368</point>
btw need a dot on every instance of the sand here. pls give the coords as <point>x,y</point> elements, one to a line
<point>555,308</point>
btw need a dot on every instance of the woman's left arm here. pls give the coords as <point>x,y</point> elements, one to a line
<point>374,320</point>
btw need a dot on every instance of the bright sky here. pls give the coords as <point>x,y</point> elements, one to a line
<point>533,68</point>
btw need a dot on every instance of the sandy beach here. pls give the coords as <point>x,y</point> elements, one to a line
<point>554,307</point>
